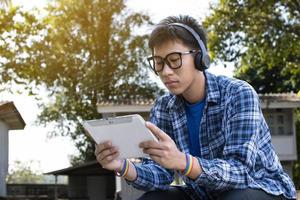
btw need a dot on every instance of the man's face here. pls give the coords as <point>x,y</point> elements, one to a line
<point>178,81</point>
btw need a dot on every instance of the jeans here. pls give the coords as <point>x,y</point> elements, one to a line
<point>175,193</point>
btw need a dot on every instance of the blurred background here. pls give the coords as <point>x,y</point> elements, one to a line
<point>64,61</point>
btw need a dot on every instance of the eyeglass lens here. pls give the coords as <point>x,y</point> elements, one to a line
<point>173,60</point>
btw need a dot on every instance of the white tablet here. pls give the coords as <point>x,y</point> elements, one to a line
<point>125,132</point>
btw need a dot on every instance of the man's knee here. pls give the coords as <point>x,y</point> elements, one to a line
<point>248,194</point>
<point>157,195</point>
<point>173,193</point>
<point>150,195</point>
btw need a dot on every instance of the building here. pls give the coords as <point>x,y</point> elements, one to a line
<point>89,182</point>
<point>10,119</point>
<point>279,112</point>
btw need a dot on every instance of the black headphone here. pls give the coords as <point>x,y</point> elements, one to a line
<point>202,60</point>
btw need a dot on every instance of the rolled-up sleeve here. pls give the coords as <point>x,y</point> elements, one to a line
<point>240,150</point>
<point>151,176</point>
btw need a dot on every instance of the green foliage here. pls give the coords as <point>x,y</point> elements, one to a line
<point>23,173</point>
<point>262,39</point>
<point>82,52</point>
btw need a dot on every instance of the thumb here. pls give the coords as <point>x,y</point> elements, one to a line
<point>161,136</point>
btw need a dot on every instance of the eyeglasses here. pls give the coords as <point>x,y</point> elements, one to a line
<point>173,60</point>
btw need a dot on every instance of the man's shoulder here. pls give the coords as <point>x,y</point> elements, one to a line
<point>233,85</point>
<point>230,88</point>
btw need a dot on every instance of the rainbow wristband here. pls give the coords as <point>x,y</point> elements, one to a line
<point>124,170</point>
<point>189,165</point>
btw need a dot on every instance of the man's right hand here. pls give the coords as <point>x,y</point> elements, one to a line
<point>107,156</point>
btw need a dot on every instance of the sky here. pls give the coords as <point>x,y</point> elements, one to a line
<point>32,145</point>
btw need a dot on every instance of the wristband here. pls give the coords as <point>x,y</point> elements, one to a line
<point>191,168</point>
<point>189,165</point>
<point>124,170</point>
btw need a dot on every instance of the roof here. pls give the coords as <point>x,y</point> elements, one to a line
<point>280,100</point>
<point>92,168</point>
<point>291,97</point>
<point>270,100</point>
<point>125,105</point>
<point>11,116</point>
<point>127,102</point>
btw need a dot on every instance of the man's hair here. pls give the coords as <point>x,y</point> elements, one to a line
<point>165,32</point>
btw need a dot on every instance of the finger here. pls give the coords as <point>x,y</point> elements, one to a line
<point>107,152</point>
<point>102,146</point>
<point>96,150</point>
<point>155,158</point>
<point>157,132</point>
<point>153,152</point>
<point>151,144</point>
<point>109,158</point>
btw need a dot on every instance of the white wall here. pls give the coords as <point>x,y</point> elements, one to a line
<point>3,157</point>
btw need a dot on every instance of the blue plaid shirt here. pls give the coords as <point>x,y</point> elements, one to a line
<point>235,144</point>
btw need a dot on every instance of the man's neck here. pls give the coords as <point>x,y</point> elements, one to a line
<point>196,92</point>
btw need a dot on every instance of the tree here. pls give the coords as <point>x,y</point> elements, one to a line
<point>81,52</point>
<point>5,2</point>
<point>261,38</point>
<point>23,173</point>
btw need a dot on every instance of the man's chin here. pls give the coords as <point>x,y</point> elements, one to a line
<point>174,91</point>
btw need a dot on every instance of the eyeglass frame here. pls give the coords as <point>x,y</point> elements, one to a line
<point>165,61</point>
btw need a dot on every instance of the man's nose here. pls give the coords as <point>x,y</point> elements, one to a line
<point>167,70</point>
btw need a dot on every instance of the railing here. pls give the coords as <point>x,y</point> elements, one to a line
<point>36,191</point>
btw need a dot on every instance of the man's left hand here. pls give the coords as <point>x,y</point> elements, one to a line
<point>165,151</point>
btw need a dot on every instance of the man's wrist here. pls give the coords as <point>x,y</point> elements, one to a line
<point>120,168</point>
<point>125,169</point>
<point>182,163</point>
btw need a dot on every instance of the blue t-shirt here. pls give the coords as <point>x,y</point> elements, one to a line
<point>194,114</point>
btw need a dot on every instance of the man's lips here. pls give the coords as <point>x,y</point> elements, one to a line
<point>171,83</point>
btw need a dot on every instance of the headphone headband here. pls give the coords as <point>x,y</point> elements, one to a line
<point>205,60</point>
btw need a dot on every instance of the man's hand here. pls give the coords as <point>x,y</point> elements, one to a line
<point>107,156</point>
<point>165,151</point>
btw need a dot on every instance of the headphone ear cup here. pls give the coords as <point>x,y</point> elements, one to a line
<point>205,61</point>
<point>198,61</point>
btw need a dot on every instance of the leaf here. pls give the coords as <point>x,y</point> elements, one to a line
<point>81,52</point>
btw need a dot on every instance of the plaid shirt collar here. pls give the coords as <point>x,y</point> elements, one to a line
<point>212,93</point>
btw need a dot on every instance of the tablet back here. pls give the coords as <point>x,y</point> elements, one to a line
<point>125,132</point>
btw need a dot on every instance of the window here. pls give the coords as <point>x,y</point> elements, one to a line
<point>279,121</point>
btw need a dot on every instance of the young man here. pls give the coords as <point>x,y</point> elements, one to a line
<point>211,129</point>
